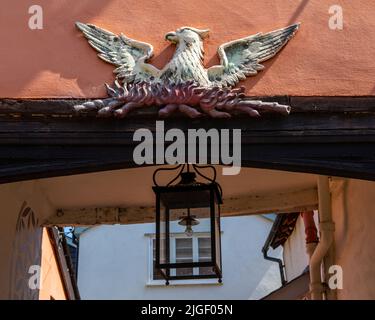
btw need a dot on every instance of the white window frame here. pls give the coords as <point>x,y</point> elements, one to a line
<point>196,236</point>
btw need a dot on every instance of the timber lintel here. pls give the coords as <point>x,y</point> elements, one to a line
<point>279,202</point>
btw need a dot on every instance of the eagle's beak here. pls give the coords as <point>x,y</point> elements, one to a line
<point>172,37</point>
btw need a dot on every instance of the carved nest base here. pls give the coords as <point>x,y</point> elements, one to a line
<point>188,98</point>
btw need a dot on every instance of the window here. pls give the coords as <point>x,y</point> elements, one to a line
<point>204,245</point>
<point>185,249</point>
<point>184,253</point>
<point>155,274</point>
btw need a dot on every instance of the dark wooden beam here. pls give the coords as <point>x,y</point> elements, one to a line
<point>64,107</point>
<point>323,135</point>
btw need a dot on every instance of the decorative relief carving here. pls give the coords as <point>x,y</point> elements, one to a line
<point>184,84</point>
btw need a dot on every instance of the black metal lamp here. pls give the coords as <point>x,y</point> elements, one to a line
<point>187,202</point>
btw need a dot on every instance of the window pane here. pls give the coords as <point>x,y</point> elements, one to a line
<point>204,245</point>
<point>184,254</point>
<point>156,274</point>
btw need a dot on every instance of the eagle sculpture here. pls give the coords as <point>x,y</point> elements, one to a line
<point>184,84</point>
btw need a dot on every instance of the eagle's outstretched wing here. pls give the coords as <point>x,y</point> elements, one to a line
<point>126,54</point>
<point>241,58</point>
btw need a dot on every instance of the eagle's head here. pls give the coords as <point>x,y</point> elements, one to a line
<point>188,35</point>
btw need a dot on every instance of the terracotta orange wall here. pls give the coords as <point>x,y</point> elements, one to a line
<point>51,282</point>
<point>57,61</point>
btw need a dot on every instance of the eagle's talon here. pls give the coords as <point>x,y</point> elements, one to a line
<point>104,113</point>
<point>218,114</point>
<point>167,110</point>
<point>193,101</point>
<point>249,110</point>
<point>189,111</point>
<point>125,109</point>
<point>86,106</point>
<point>265,107</point>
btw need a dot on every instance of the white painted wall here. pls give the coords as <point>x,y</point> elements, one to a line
<point>295,257</point>
<point>113,264</point>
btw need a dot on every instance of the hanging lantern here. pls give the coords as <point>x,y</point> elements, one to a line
<point>186,208</point>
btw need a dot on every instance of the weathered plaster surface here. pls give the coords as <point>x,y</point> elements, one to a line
<point>295,257</point>
<point>12,197</point>
<point>105,272</point>
<point>56,61</point>
<point>354,217</point>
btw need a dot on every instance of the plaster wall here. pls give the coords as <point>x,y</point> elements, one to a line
<point>12,198</point>
<point>57,62</point>
<point>354,217</point>
<point>113,264</point>
<point>295,257</point>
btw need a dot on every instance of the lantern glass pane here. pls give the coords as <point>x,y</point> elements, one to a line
<point>157,274</point>
<point>205,255</point>
<point>162,241</point>
<point>190,249</point>
<point>184,254</point>
<point>189,232</point>
<point>217,236</point>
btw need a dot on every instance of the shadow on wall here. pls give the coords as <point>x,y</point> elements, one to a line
<point>252,81</point>
<point>28,47</point>
<point>29,53</point>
